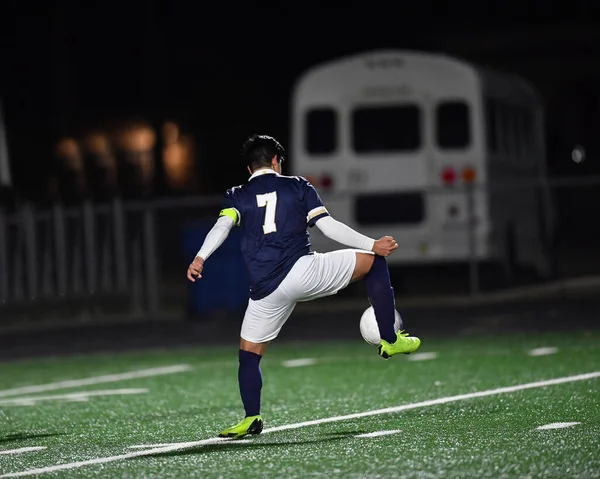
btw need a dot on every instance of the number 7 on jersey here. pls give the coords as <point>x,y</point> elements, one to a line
<point>269,202</point>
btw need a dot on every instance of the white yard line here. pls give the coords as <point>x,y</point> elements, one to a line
<point>24,449</point>
<point>151,446</point>
<point>380,433</point>
<point>295,363</point>
<point>557,425</point>
<point>422,356</point>
<point>168,444</point>
<point>75,397</point>
<point>543,351</point>
<point>298,425</point>
<point>108,378</point>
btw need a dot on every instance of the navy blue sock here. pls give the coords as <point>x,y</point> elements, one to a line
<point>250,380</point>
<point>381,295</point>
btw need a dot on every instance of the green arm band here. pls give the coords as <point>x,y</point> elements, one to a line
<point>232,213</point>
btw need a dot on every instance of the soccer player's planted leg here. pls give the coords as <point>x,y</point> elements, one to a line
<point>250,381</point>
<point>381,295</point>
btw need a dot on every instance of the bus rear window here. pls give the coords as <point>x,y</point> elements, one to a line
<point>320,131</point>
<point>386,129</point>
<point>452,125</point>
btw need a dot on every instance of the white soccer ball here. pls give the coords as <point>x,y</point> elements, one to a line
<point>369,329</point>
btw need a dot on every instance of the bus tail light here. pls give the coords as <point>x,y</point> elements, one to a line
<point>468,174</point>
<point>326,182</point>
<point>448,176</point>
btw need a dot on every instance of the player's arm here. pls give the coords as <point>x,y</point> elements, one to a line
<point>215,238</point>
<point>338,231</point>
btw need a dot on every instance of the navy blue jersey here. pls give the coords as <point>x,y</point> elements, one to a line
<point>274,212</point>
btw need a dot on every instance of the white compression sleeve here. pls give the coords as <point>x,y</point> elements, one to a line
<point>343,234</point>
<point>216,236</point>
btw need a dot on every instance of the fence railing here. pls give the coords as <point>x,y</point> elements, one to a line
<point>127,257</point>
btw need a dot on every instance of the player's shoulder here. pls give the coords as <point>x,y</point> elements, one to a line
<point>234,190</point>
<point>296,184</point>
<point>296,180</point>
<point>299,179</point>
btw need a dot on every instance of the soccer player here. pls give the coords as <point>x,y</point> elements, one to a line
<point>274,212</point>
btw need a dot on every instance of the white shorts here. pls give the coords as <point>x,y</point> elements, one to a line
<point>313,276</point>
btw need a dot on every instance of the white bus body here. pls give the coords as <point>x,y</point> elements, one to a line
<point>390,139</point>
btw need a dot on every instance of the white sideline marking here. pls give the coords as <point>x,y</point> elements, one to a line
<point>285,427</point>
<point>294,363</point>
<point>151,446</point>
<point>168,444</point>
<point>557,425</point>
<point>543,351</point>
<point>422,356</point>
<point>72,397</point>
<point>108,378</point>
<point>24,449</point>
<point>380,433</point>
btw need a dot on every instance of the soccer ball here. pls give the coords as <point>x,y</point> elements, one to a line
<point>369,329</point>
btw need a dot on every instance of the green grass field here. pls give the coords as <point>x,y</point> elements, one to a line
<point>435,424</point>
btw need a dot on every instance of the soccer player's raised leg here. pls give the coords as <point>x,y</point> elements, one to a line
<point>374,270</point>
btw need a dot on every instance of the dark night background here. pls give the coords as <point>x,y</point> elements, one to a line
<point>224,72</point>
<point>93,257</point>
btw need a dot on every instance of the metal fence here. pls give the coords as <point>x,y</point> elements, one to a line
<point>125,259</point>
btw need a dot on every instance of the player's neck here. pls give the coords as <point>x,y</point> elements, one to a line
<point>262,171</point>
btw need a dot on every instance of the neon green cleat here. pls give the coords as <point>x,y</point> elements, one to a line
<point>248,425</point>
<point>404,344</point>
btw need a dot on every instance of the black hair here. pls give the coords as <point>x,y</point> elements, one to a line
<point>259,150</point>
